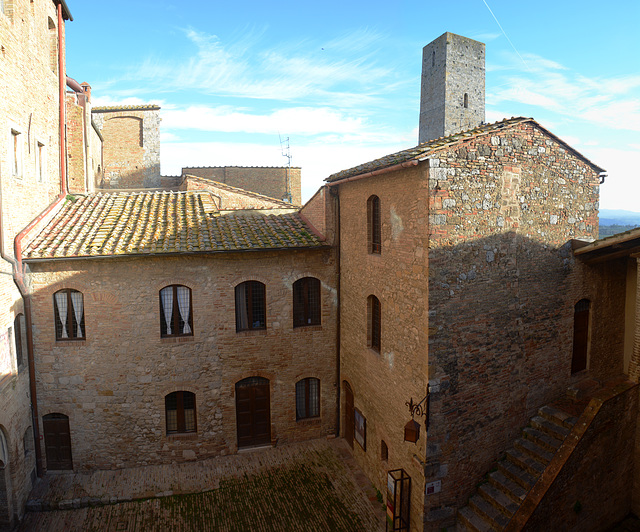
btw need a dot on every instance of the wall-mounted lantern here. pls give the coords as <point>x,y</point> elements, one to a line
<point>412,428</point>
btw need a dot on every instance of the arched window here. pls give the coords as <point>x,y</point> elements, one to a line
<point>580,335</point>
<point>384,451</point>
<point>466,101</point>
<point>180,411</point>
<point>53,46</point>
<point>69,314</point>
<point>307,398</point>
<point>250,306</point>
<point>306,302</point>
<point>20,330</point>
<point>374,229</point>
<point>176,312</point>
<point>374,323</point>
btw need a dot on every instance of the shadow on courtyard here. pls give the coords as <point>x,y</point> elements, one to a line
<point>308,486</point>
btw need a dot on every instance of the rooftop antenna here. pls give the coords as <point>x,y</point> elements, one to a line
<point>285,149</point>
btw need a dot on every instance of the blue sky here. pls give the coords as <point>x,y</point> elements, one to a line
<point>341,80</point>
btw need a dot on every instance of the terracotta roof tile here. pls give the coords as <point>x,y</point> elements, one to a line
<point>135,223</point>
<point>109,108</point>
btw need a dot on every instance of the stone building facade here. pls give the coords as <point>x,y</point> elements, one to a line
<point>115,404</point>
<point>131,145</point>
<point>32,49</point>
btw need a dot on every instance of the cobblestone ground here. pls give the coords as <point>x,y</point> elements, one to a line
<point>304,487</point>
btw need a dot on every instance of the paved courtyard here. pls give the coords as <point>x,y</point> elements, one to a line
<point>310,486</point>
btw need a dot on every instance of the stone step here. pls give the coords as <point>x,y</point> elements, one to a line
<point>499,500</point>
<point>472,521</point>
<point>488,512</point>
<point>516,474</point>
<point>530,465</point>
<point>542,439</point>
<point>557,416</point>
<point>552,429</point>
<point>507,486</point>
<point>533,450</point>
<point>583,389</point>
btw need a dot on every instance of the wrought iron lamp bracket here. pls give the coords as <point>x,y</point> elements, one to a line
<point>422,408</point>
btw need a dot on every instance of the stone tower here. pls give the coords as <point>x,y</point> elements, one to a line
<point>452,92</point>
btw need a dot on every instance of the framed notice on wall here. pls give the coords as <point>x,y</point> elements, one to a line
<point>360,428</point>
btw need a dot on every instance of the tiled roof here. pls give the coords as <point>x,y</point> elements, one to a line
<point>109,108</point>
<point>426,148</point>
<point>143,223</point>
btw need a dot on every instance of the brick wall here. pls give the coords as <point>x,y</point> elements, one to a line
<point>383,382</point>
<point>75,146</point>
<point>112,385</point>
<point>131,146</point>
<point>269,181</point>
<point>229,198</point>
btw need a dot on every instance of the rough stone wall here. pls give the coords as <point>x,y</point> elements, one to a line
<point>452,66</point>
<point>503,285</point>
<point>269,181</point>
<point>112,385</point>
<point>131,147</point>
<point>592,490</point>
<point>383,382</point>
<point>30,106</point>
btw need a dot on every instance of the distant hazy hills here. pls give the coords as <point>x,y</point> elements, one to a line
<point>617,217</point>
<point>613,222</point>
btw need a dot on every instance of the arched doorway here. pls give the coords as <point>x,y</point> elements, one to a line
<point>348,414</point>
<point>57,441</point>
<point>253,413</point>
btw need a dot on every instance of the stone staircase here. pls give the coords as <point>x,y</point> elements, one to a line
<point>504,489</point>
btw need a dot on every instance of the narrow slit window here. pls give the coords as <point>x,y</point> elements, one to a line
<point>374,225</point>
<point>374,323</point>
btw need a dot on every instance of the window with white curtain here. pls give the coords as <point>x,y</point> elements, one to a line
<point>250,306</point>
<point>176,314</point>
<point>69,314</point>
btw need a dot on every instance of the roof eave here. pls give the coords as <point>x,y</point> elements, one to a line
<point>66,14</point>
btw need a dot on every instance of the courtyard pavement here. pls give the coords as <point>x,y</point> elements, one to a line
<point>309,486</point>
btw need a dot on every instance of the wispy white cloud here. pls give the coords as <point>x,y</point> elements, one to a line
<point>342,71</point>
<point>613,103</point>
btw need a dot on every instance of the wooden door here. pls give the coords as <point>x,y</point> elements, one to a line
<point>348,414</point>
<point>580,336</point>
<point>57,441</point>
<point>253,413</point>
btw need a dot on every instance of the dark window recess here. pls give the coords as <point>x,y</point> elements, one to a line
<point>384,451</point>
<point>250,306</point>
<point>374,229</point>
<point>20,330</point>
<point>180,411</point>
<point>580,335</point>
<point>374,323</point>
<point>69,314</point>
<point>465,102</point>
<point>307,398</point>
<point>306,302</point>
<point>176,311</point>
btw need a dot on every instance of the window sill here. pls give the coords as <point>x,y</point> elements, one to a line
<point>252,332</point>
<point>374,351</point>
<point>310,420</point>
<point>182,436</point>
<point>176,339</point>
<point>317,327</point>
<point>71,341</point>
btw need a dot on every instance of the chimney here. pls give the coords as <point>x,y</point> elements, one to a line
<point>87,90</point>
<point>452,89</point>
